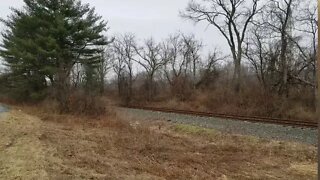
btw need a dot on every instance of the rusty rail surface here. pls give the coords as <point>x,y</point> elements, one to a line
<point>286,122</point>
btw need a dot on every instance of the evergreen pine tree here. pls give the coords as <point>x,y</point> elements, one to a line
<point>45,39</point>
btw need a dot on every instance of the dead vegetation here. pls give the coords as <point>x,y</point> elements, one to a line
<point>224,100</point>
<point>79,147</point>
<point>77,137</point>
<point>21,153</point>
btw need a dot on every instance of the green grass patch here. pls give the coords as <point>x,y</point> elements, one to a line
<point>212,133</point>
<point>190,129</point>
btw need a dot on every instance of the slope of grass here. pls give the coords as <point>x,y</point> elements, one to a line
<point>21,153</point>
<point>111,148</point>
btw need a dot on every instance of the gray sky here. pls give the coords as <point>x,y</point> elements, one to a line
<point>144,18</point>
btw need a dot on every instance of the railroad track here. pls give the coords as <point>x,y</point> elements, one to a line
<point>286,122</point>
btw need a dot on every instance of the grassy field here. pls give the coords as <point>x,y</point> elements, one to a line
<point>51,146</point>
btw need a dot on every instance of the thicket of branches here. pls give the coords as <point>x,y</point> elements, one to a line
<point>273,48</point>
<point>59,46</point>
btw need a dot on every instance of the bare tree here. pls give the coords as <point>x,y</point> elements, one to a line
<point>128,42</point>
<point>150,59</point>
<point>171,52</point>
<point>231,18</point>
<point>77,75</point>
<point>191,50</point>
<point>307,27</point>
<point>305,43</point>
<point>208,71</point>
<point>182,54</point>
<point>281,22</point>
<point>256,51</point>
<point>124,50</point>
<point>177,53</point>
<point>104,67</point>
<point>118,63</point>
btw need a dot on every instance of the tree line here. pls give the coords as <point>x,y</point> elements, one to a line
<point>52,48</point>
<point>277,38</point>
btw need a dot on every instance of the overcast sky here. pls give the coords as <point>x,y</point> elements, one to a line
<point>145,18</point>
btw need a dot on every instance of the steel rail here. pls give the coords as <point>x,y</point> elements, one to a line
<point>286,122</point>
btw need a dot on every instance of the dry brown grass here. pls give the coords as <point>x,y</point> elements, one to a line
<point>252,102</point>
<point>82,147</point>
<point>21,153</point>
<point>112,148</point>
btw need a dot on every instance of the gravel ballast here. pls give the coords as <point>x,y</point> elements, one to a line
<point>3,108</point>
<point>261,130</point>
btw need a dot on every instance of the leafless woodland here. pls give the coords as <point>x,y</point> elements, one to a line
<point>270,67</point>
<point>267,67</point>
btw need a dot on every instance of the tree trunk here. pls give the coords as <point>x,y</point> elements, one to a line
<point>283,58</point>
<point>130,87</point>
<point>119,85</point>
<point>102,83</point>
<point>194,74</point>
<point>237,75</point>
<point>150,87</point>
<point>317,65</point>
<point>314,89</point>
<point>62,91</point>
<point>272,70</point>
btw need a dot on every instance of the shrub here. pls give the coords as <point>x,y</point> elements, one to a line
<point>86,104</point>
